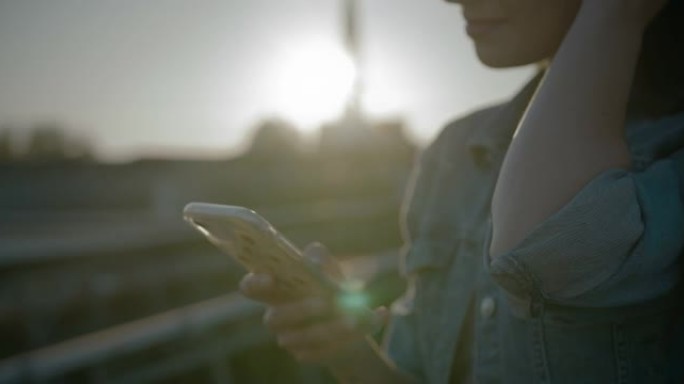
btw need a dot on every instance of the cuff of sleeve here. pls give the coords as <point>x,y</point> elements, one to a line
<point>577,248</point>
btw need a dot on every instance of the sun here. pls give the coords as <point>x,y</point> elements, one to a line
<point>313,82</point>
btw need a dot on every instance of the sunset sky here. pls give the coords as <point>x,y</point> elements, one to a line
<point>193,77</point>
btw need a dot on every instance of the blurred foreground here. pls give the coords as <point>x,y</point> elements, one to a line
<point>102,281</point>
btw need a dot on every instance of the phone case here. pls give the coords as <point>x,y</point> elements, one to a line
<point>254,242</point>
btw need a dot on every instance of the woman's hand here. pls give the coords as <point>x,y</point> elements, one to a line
<point>313,329</point>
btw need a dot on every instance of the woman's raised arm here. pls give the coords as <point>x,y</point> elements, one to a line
<point>573,129</point>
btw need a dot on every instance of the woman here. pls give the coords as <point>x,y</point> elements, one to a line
<point>550,255</point>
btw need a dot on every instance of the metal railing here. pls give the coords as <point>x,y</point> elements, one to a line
<point>92,351</point>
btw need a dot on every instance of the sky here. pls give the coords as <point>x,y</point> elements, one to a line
<point>194,77</point>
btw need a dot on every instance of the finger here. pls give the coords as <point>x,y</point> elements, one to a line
<point>263,288</point>
<point>319,255</point>
<point>372,321</point>
<point>383,315</point>
<point>367,321</point>
<point>297,314</point>
<point>328,335</point>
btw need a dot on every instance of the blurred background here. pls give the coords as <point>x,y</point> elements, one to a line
<point>115,114</point>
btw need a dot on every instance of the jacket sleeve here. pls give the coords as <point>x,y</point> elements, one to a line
<point>617,242</point>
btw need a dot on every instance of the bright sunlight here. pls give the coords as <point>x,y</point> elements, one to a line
<point>313,83</point>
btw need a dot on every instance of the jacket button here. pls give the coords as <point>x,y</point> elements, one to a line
<point>487,307</point>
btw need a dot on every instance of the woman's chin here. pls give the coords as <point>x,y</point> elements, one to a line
<point>505,58</point>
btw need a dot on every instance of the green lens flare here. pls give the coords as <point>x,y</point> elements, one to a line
<point>353,298</point>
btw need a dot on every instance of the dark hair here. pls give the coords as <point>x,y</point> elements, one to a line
<point>659,81</point>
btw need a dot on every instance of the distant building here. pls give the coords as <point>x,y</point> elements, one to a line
<point>360,135</point>
<point>275,139</point>
<point>354,132</point>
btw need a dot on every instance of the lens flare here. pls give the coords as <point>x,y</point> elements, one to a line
<point>353,297</point>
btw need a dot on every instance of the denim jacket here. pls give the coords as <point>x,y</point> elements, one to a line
<point>589,296</point>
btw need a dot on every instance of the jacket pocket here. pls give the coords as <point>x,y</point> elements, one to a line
<point>426,254</point>
<point>427,264</point>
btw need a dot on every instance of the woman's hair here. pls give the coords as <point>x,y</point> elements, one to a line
<point>659,81</point>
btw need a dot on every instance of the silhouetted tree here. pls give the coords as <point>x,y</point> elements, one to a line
<point>46,143</point>
<point>50,142</point>
<point>5,145</point>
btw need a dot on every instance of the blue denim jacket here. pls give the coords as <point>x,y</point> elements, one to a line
<point>590,296</point>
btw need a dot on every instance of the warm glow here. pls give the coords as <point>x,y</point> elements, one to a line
<point>313,83</point>
<point>381,101</point>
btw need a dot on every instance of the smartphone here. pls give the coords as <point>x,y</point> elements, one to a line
<point>258,246</point>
